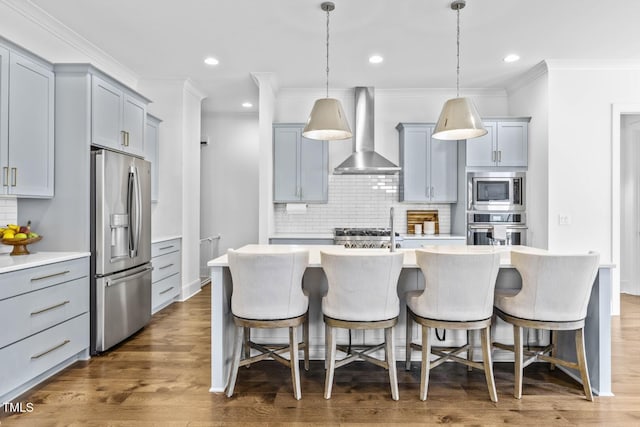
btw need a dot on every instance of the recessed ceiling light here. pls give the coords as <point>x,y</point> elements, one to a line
<point>511,58</point>
<point>247,104</point>
<point>376,59</point>
<point>211,61</point>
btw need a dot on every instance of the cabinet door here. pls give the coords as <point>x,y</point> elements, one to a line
<point>480,151</point>
<point>134,118</point>
<point>151,150</point>
<point>512,143</point>
<point>106,114</point>
<point>314,160</point>
<point>31,137</point>
<point>4,114</point>
<point>443,167</point>
<point>286,186</point>
<point>414,150</point>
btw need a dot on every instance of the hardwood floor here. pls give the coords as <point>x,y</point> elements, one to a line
<point>161,377</point>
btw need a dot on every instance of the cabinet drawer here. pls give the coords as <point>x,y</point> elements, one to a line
<point>165,247</point>
<point>31,279</point>
<point>165,265</point>
<point>165,290</point>
<point>35,355</point>
<point>35,311</point>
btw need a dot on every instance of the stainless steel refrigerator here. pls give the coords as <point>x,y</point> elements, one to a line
<point>120,247</point>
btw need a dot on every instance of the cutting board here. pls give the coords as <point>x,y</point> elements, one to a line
<point>418,217</point>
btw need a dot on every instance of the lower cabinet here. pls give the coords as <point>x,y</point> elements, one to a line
<point>166,280</point>
<point>46,313</point>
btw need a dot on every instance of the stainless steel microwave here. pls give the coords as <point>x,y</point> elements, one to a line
<point>496,191</point>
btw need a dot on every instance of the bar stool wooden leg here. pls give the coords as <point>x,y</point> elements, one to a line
<point>487,362</point>
<point>295,371</point>
<point>470,349</point>
<point>305,340</point>
<point>235,364</point>
<point>582,363</point>
<point>426,355</point>
<point>331,355</point>
<point>517,347</point>
<point>554,342</point>
<point>407,357</point>
<point>246,345</point>
<point>391,361</point>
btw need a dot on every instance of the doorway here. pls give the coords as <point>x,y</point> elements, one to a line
<point>630,204</point>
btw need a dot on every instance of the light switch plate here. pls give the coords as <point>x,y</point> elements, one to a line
<point>564,219</point>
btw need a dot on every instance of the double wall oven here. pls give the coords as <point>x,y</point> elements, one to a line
<point>496,209</point>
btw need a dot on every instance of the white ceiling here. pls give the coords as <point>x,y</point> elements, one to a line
<point>170,39</point>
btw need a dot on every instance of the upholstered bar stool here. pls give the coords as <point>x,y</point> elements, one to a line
<point>267,293</point>
<point>554,296</point>
<point>362,294</point>
<point>458,294</point>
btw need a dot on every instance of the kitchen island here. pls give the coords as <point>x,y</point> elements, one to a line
<point>597,328</point>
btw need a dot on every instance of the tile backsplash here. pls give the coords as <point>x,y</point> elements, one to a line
<point>8,215</point>
<point>356,201</point>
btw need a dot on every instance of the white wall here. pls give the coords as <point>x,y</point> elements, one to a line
<point>229,180</point>
<point>630,204</point>
<point>531,99</point>
<point>177,212</point>
<point>580,152</point>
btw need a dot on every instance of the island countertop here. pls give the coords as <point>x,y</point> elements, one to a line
<point>597,329</point>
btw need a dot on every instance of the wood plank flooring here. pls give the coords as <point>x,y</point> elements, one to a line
<point>161,377</point>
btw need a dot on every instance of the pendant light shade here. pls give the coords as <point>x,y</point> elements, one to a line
<point>327,121</point>
<point>459,118</point>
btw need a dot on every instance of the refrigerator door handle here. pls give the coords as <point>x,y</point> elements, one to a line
<point>112,282</point>
<point>134,206</point>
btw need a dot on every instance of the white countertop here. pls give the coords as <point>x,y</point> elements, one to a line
<point>164,238</point>
<point>409,254</point>
<point>35,259</point>
<point>302,236</point>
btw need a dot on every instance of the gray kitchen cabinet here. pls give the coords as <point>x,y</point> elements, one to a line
<point>166,278</point>
<point>26,124</point>
<point>47,307</point>
<point>118,118</point>
<point>300,166</point>
<point>429,166</point>
<point>152,152</point>
<point>505,144</point>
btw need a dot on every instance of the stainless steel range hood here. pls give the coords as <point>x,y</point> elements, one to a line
<point>364,160</point>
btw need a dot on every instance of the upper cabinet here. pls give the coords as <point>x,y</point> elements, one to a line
<point>152,152</point>
<point>118,118</point>
<point>505,144</point>
<point>300,166</point>
<point>429,166</point>
<point>26,124</point>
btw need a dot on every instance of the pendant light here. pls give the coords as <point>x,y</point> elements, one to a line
<point>459,118</point>
<point>327,121</point>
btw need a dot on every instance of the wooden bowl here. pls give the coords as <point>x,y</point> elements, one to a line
<point>20,245</point>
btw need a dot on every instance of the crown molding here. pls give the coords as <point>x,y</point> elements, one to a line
<point>94,54</point>
<point>529,76</point>
<point>601,64</point>
<point>191,88</point>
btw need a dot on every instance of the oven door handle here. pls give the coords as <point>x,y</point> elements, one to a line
<point>517,227</point>
<point>480,227</point>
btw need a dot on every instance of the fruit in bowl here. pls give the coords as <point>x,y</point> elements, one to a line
<point>19,237</point>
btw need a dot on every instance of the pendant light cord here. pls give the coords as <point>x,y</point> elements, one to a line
<point>327,53</point>
<point>457,54</point>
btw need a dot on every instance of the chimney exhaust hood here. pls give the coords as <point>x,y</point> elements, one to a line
<point>364,160</point>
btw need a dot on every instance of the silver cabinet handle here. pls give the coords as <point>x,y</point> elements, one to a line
<point>132,276</point>
<point>14,177</point>
<point>165,266</point>
<point>127,139</point>
<point>6,176</point>
<point>35,279</point>
<point>499,155</point>
<point>165,248</point>
<point>432,192</point>
<point>39,355</point>
<point>124,138</point>
<point>493,156</point>
<point>33,313</point>
<point>166,290</point>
